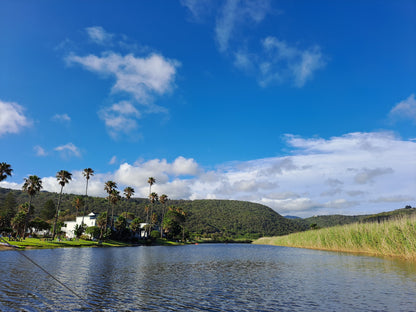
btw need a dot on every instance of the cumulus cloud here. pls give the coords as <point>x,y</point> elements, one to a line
<point>406,109</point>
<point>356,173</point>
<point>141,77</point>
<point>137,81</point>
<point>164,172</point>
<point>68,150</point>
<point>12,118</point>
<point>120,118</point>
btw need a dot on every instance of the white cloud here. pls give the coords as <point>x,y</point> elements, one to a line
<point>68,150</point>
<point>120,118</point>
<point>12,118</point>
<point>234,14</point>
<point>61,118</point>
<point>98,35</point>
<point>40,151</point>
<point>164,172</point>
<point>282,62</point>
<point>406,109</point>
<point>140,77</point>
<point>367,175</point>
<point>276,61</point>
<point>138,80</point>
<point>319,177</point>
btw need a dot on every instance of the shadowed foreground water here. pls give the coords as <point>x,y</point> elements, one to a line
<point>212,277</point>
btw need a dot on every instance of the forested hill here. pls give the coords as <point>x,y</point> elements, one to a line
<point>334,220</point>
<point>236,218</point>
<point>208,218</point>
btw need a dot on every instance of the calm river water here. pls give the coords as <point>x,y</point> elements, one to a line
<point>211,277</point>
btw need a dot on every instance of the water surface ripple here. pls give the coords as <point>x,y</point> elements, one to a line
<point>207,277</point>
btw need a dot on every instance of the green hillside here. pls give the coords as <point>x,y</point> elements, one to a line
<point>334,220</point>
<point>217,219</point>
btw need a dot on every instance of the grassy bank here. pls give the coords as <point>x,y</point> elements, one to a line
<point>395,238</point>
<point>39,243</point>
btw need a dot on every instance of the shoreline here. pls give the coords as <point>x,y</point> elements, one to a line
<point>340,250</point>
<point>392,239</point>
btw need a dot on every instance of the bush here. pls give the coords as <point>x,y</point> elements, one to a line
<point>154,234</point>
<point>94,231</point>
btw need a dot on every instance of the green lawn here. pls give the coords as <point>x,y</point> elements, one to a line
<point>41,243</point>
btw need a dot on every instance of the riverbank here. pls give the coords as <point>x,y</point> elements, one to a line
<point>396,238</point>
<point>32,243</point>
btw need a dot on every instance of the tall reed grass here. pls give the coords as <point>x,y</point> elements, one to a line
<point>395,238</point>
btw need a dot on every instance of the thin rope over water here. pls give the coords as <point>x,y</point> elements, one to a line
<point>16,248</point>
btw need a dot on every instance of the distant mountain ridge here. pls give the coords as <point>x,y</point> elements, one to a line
<point>212,218</point>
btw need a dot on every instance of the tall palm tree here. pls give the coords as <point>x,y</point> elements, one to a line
<point>78,202</point>
<point>5,170</point>
<point>163,199</point>
<point>88,172</point>
<point>109,186</point>
<point>128,192</point>
<point>153,199</point>
<point>114,198</point>
<point>63,178</point>
<point>32,185</point>
<point>151,181</point>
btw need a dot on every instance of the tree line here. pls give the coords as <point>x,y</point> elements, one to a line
<point>18,218</point>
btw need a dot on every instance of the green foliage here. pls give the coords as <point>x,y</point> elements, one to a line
<point>39,225</point>
<point>120,224</point>
<point>135,225</point>
<point>396,237</point>
<point>19,222</point>
<point>329,220</point>
<point>154,234</point>
<point>48,210</point>
<point>7,211</point>
<point>79,230</point>
<point>174,222</point>
<point>94,231</point>
<point>390,215</point>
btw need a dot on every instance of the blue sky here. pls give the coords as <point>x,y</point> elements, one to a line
<point>305,106</point>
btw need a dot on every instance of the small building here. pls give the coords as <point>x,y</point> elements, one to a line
<point>91,220</point>
<point>69,228</point>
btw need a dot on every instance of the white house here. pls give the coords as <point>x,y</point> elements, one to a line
<point>91,220</point>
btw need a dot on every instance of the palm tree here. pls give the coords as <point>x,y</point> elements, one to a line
<point>147,209</point>
<point>163,200</point>
<point>114,198</point>
<point>63,178</point>
<point>109,186</point>
<point>88,172</point>
<point>151,181</point>
<point>78,202</point>
<point>31,186</point>
<point>5,170</point>
<point>153,199</point>
<point>128,192</point>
